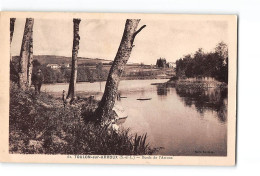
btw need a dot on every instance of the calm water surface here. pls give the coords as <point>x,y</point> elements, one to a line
<point>183,121</point>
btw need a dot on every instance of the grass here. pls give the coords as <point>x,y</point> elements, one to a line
<point>186,83</point>
<point>39,124</point>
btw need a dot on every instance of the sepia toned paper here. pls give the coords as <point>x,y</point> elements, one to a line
<point>189,125</point>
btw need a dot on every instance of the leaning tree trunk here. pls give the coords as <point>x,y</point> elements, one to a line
<point>25,53</point>
<point>74,65</point>
<point>107,102</point>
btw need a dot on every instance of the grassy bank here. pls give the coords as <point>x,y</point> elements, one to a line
<point>196,83</point>
<point>39,124</point>
<point>145,77</point>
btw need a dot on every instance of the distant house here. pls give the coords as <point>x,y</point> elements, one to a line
<point>54,66</point>
<point>66,65</point>
<point>172,64</point>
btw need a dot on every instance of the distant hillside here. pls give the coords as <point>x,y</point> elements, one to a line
<point>51,59</point>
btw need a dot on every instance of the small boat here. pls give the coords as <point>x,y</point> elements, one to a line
<point>156,83</point>
<point>123,97</point>
<point>120,112</point>
<point>143,99</point>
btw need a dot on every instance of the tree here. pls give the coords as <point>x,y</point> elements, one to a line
<point>222,50</point>
<point>198,60</point>
<point>25,54</point>
<point>12,22</point>
<point>213,64</point>
<point>30,60</point>
<point>107,102</point>
<point>36,63</point>
<point>13,73</point>
<point>161,63</point>
<point>74,65</point>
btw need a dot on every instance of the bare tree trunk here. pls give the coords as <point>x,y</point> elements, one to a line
<point>13,72</point>
<point>30,59</point>
<point>12,22</point>
<point>107,102</point>
<point>74,65</point>
<point>24,54</point>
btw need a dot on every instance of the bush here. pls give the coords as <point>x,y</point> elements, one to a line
<point>39,124</point>
<point>174,78</point>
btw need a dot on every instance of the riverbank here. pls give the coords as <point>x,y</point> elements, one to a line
<point>85,89</point>
<point>196,83</point>
<point>122,78</point>
<point>192,106</point>
<point>145,77</point>
<point>39,124</point>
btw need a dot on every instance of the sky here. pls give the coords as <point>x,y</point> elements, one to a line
<point>170,39</point>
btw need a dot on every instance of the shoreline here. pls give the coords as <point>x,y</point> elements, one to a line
<point>49,127</point>
<point>128,78</point>
<point>185,83</point>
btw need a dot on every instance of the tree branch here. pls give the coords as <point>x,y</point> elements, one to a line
<point>139,30</point>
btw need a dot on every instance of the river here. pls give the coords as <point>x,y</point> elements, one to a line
<point>185,122</point>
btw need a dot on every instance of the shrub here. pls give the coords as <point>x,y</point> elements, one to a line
<point>39,124</point>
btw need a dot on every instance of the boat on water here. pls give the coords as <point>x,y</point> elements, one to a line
<point>120,112</point>
<point>123,97</point>
<point>142,99</point>
<point>156,83</point>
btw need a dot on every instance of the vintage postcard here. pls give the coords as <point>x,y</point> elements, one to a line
<point>111,88</point>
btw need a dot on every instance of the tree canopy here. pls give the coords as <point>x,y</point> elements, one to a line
<point>212,64</point>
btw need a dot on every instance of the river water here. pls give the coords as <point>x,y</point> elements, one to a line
<point>185,122</point>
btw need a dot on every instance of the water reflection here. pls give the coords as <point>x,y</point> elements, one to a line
<point>162,90</point>
<point>203,99</point>
<point>170,119</point>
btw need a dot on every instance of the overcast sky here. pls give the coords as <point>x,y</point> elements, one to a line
<point>101,38</point>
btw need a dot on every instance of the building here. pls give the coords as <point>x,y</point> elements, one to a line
<point>54,66</point>
<point>66,65</point>
<point>172,64</point>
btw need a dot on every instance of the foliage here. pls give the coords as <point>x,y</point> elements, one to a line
<point>212,64</point>
<point>173,78</point>
<point>61,75</point>
<point>87,73</point>
<point>161,63</point>
<point>40,124</point>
